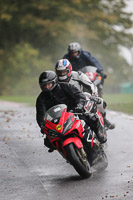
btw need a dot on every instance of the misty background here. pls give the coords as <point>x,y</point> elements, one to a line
<point>34,34</point>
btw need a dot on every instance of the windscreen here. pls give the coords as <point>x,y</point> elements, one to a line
<point>88,69</point>
<point>54,112</point>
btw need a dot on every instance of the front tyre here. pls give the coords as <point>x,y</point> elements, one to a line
<point>77,158</point>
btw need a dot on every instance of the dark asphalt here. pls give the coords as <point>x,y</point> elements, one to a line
<point>29,172</point>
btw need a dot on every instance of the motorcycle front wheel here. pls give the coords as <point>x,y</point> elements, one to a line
<point>78,159</point>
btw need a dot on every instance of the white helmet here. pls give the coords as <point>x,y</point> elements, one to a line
<point>63,69</point>
<point>74,47</point>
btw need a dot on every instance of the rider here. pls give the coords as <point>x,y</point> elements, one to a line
<point>64,73</point>
<point>79,59</point>
<point>54,93</point>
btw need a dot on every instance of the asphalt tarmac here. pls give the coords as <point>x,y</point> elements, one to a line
<point>29,172</point>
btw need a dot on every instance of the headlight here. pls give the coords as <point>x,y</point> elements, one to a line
<point>53,133</point>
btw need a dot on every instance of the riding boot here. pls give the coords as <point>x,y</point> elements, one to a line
<point>101,136</point>
<point>48,144</point>
<point>108,124</point>
<point>93,121</point>
<point>100,132</point>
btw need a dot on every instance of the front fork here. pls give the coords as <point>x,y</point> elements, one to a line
<point>75,140</point>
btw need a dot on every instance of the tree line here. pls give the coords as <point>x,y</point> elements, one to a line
<point>34,34</point>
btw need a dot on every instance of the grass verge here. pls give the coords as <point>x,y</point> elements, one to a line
<point>30,100</point>
<point>116,102</point>
<point>120,102</point>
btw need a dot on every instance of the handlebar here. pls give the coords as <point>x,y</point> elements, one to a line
<point>103,75</point>
<point>72,111</point>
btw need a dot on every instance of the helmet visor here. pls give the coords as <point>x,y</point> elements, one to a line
<point>62,72</point>
<point>74,53</point>
<point>47,86</point>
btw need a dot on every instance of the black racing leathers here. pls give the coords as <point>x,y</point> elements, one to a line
<point>63,93</point>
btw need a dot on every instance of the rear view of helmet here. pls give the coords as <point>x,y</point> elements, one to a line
<point>73,48</point>
<point>63,69</point>
<point>47,80</point>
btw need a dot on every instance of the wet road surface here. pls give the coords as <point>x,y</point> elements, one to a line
<point>29,172</point>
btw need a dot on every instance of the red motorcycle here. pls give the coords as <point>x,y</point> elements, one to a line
<point>66,133</point>
<point>95,77</point>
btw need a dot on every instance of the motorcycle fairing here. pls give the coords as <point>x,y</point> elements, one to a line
<point>92,75</point>
<point>67,123</point>
<point>100,118</point>
<point>77,142</point>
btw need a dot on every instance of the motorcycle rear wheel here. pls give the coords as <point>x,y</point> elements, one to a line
<point>78,160</point>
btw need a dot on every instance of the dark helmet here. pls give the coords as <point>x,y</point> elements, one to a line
<point>74,47</point>
<point>47,77</point>
<point>63,69</point>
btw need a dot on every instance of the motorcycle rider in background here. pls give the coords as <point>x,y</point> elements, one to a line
<point>54,93</point>
<point>64,73</point>
<point>79,59</point>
